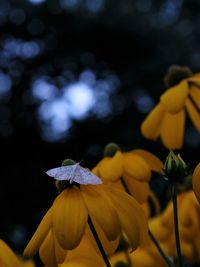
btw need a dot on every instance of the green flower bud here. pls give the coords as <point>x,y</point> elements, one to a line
<point>175,168</point>
<point>110,149</point>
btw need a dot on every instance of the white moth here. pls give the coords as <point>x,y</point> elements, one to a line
<point>74,173</point>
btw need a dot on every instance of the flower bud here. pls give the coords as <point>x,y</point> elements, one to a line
<point>175,168</point>
<point>110,149</point>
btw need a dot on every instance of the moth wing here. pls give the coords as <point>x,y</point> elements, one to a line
<point>61,173</point>
<point>84,176</point>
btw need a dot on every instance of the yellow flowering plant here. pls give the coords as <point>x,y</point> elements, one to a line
<point>104,217</point>
<point>167,119</point>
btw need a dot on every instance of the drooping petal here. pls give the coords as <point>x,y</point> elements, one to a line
<point>84,255</point>
<point>27,263</point>
<point>108,246</point>
<point>69,218</point>
<point>194,115</point>
<point>95,170</point>
<point>101,209</point>
<point>174,98</point>
<point>47,251</point>
<point>60,253</point>
<point>172,130</point>
<point>82,261</point>
<point>7,256</point>
<point>139,190</point>
<point>50,252</point>
<point>136,166</point>
<point>151,125</point>
<point>132,218</point>
<point>143,258</point>
<point>154,162</point>
<point>195,93</point>
<point>166,216</point>
<point>39,236</point>
<point>196,182</point>
<point>195,78</point>
<point>111,168</point>
<point>159,230</point>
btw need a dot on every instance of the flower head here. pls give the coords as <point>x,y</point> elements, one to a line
<point>112,210</point>
<point>131,170</point>
<point>167,119</point>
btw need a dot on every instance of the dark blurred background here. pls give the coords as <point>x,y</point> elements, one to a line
<point>75,75</point>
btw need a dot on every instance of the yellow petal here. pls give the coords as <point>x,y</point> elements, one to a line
<point>196,182</point>
<point>69,218</point>
<point>82,261</point>
<point>47,251</point>
<point>132,218</point>
<point>187,250</point>
<point>27,263</point>
<point>83,255</point>
<point>195,93</point>
<point>95,170</point>
<point>39,236</point>
<point>174,98</point>
<point>194,115</point>
<point>154,162</point>
<point>50,252</point>
<point>195,78</point>
<point>60,253</point>
<point>159,230</point>
<point>108,246</point>
<point>136,166</point>
<point>151,125</point>
<point>7,256</point>
<point>186,234</point>
<point>139,190</point>
<point>101,209</point>
<point>111,168</point>
<point>142,258</point>
<point>167,217</point>
<point>172,130</point>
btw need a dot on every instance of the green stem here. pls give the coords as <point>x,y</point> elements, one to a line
<point>149,232</point>
<point>155,241</point>
<point>176,230</point>
<point>101,249</point>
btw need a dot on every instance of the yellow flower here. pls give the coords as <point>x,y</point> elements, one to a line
<point>9,259</point>
<point>111,209</point>
<point>167,119</point>
<point>196,182</point>
<point>130,169</point>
